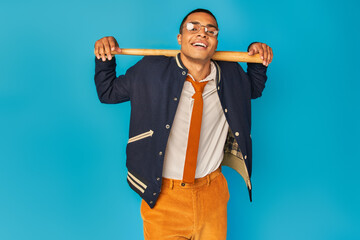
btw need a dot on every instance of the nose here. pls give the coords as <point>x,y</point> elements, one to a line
<point>202,32</point>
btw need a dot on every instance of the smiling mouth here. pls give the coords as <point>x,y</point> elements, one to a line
<point>198,44</point>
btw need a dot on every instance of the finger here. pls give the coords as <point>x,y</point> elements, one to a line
<point>265,54</point>
<point>118,49</point>
<point>115,46</point>
<point>261,52</point>
<point>107,50</point>
<point>97,49</point>
<point>255,50</point>
<point>269,55</point>
<point>251,52</point>
<point>112,45</point>
<point>102,53</point>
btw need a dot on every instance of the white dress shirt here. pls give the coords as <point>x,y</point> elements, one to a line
<point>214,129</point>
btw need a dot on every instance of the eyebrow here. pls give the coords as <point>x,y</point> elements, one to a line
<point>207,25</point>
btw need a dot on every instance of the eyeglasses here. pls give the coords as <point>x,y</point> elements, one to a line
<point>195,27</point>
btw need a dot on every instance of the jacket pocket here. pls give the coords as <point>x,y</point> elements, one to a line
<point>141,136</point>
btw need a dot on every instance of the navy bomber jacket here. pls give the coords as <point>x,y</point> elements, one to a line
<point>153,86</point>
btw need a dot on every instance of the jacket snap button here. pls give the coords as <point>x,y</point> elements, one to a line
<point>226,110</point>
<point>151,202</point>
<point>160,153</point>
<point>167,126</point>
<point>183,73</point>
<point>245,157</point>
<point>158,179</point>
<point>237,134</point>
<point>154,193</point>
<point>175,99</point>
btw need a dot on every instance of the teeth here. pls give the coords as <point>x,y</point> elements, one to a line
<point>199,44</point>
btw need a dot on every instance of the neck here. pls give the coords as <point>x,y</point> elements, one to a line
<point>198,69</point>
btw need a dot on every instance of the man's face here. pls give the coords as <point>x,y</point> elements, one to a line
<point>190,42</point>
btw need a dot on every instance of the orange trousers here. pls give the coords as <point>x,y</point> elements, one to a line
<point>195,211</point>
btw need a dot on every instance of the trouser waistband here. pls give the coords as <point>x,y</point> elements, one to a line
<point>173,183</point>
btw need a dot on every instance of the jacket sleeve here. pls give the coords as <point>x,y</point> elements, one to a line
<point>111,89</point>
<point>257,76</point>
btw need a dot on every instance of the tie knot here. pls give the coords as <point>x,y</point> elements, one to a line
<point>198,86</point>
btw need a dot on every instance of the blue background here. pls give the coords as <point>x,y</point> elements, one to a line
<point>62,152</point>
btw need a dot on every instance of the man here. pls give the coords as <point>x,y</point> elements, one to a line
<point>189,115</point>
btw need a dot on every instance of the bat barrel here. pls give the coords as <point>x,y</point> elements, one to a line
<point>231,56</point>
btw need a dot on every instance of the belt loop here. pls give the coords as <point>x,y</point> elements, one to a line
<point>171,183</point>
<point>208,179</point>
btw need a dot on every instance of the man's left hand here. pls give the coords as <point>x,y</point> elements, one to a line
<point>264,50</point>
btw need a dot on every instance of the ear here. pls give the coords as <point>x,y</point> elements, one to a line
<point>179,38</point>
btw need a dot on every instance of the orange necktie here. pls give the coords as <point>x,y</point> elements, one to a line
<point>194,132</point>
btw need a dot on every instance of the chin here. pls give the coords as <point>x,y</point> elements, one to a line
<point>201,56</point>
<point>197,56</point>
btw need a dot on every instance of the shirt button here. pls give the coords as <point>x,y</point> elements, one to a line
<point>226,110</point>
<point>167,126</point>
<point>237,134</point>
<point>183,184</point>
<point>183,73</point>
<point>154,193</point>
<point>160,153</point>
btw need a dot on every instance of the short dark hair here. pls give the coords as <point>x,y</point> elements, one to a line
<point>196,11</point>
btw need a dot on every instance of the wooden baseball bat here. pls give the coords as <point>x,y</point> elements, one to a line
<point>229,56</point>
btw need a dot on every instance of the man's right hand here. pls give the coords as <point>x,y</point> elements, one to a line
<point>104,46</point>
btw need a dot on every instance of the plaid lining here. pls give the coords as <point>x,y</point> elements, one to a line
<point>231,146</point>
